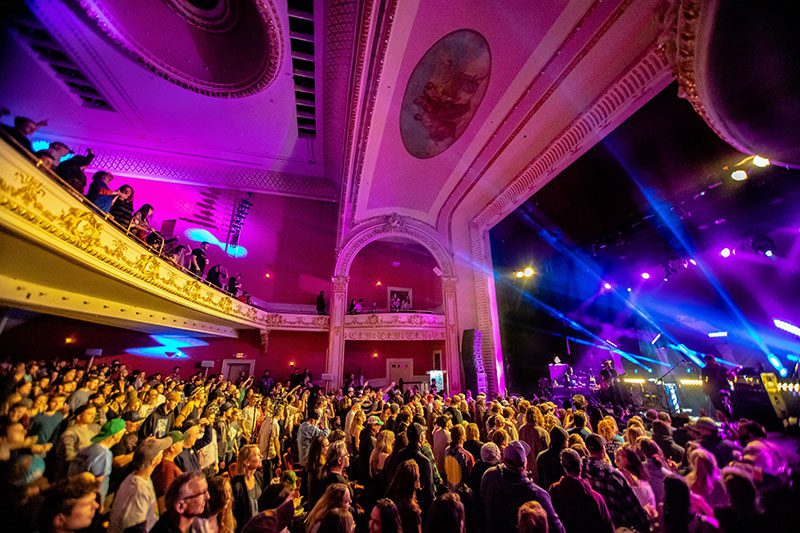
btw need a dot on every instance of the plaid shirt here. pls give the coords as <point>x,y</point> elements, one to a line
<point>625,509</point>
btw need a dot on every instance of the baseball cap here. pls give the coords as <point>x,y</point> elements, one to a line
<point>150,448</point>
<point>374,420</point>
<point>705,423</point>
<point>516,453</point>
<point>595,443</point>
<point>414,431</point>
<point>176,436</point>
<point>110,428</point>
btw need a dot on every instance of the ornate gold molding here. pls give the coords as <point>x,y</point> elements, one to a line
<point>396,335</point>
<point>394,320</point>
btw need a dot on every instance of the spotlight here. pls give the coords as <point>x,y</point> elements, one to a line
<point>763,245</point>
<point>717,334</point>
<point>267,275</point>
<point>519,274</point>
<point>645,275</point>
<point>725,252</point>
<point>760,162</point>
<point>528,272</point>
<point>692,261</point>
<point>786,326</point>
<point>630,290</point>
<point>375,355</point>
<point>739,175</point>
<point>607,286</point>
<point>655,340</point>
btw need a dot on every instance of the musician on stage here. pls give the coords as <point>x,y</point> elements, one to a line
<point>715,384</point>
<point>609,391</point>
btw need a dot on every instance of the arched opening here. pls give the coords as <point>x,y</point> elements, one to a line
<point>394,276</point>
<point>395,269</point>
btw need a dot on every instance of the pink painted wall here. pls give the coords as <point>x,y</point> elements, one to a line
<point>359,354</point>
<point>26,341</point>
<point>395,264</point>
<point>292,239</point>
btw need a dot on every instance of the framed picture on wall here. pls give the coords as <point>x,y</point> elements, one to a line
<point>399,298</point>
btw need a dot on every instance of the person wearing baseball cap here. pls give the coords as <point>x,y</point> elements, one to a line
<point>366,443</point>
<point>168,471</point>
<point>505,487</point>
<point>625,509</point>
<point>97,457</point>
<point>135,500</point>
<point>706,432</point>
<point>162,420</point>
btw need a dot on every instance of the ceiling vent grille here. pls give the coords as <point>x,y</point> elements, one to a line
<point>53,56</point>
<point>301,39</point>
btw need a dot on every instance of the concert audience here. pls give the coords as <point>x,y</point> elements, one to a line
<point>215,455</point>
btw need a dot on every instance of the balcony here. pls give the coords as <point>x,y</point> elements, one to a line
<point>394,327</point>
<point>59,255</point>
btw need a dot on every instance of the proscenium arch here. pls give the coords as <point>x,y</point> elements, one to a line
<point>394,226</point>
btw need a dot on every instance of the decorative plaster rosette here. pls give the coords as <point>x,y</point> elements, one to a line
<point>223,48</point>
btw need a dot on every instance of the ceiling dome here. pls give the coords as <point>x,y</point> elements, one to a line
<point>225,48</point>
<point>739,65</point>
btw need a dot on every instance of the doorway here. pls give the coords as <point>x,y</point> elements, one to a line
<point>231,368</point>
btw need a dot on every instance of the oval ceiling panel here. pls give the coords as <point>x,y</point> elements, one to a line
<point>444,92</point>
<point>224,48</point>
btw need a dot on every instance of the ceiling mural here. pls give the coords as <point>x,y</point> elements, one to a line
<point>443,93</point>
<point>223,48</point>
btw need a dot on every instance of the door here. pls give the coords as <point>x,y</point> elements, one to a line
<point>232,367</point>
<point>400,368</point>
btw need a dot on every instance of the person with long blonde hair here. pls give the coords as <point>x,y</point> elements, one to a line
<point>704,478</point>
<point>384,445</point>
<point>247,484</point>
<point>336,496</point>
<point>218,516</point>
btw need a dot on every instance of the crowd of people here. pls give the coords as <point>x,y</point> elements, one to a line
<point>119,205</point>
<point>105,447</point>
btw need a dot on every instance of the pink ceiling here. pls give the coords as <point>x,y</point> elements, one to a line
<point>394,179</point>
<point>156,118</point>
<point>548,65</point>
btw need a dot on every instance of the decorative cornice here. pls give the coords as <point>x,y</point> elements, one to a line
<point>210,172</point>
<point>394,321</point>
<point>103,21</point>
<point>394,226</point>
<point>287,321</point>
<point>393,335</point>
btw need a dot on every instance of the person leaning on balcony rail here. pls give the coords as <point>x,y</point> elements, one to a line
<point>22,129</point>
<point>100,194</point>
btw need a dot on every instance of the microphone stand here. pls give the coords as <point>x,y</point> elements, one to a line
<point>660,379</point>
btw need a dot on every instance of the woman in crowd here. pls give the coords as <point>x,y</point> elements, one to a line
<point>403,492</point>
<point>218,515</point>
<point>99,192</point>
<point>473,444</point>
<point>336,496</point>
<point>141,222</point>
<point>384,518</point>
<point>704,478</point>
<point>122,208</point>
<point>635,474</point>
<point>247,485</point>
<point>384,445</point>
<point>314,467</point>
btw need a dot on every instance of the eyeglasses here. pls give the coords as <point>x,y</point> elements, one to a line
<point>193,496</point>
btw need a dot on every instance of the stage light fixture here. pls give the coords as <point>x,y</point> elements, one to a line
<point>786,326</point>
<point>519,274</point>
<point>692,261</point>
<point>607,286</point>
<point>764,245</point>
<point>528,272</point>
<point>725,252</point>
<point>739,175</point>
<point>630,290</point>
<point>717,334</point>
<point>655,340</point>
<point>645,275</point>
<point>760,161</point>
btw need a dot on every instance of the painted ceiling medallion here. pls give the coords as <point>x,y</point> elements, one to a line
<point>444,92</point>
<point>223,48</point>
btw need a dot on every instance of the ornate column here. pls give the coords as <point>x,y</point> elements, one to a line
<point>334,361</point>
<point>451,353</point>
